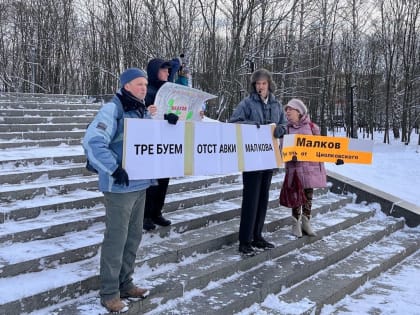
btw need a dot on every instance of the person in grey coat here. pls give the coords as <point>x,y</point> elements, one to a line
<point>260,108</point>
<point>311,174</point>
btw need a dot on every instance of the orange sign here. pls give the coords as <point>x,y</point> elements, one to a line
<point>326,149</point>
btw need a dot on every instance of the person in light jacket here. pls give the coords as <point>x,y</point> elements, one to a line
<point>124,198</point>
<point>259,108</point>
<point>311,174</point>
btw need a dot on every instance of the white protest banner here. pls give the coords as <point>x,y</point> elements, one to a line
<point>181,100</point>
<point>215,149</point>
<point>153,149</point>
<point>156,149</point>
<point>259,147</point>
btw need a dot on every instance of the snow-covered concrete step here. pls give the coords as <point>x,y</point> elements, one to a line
<point>183,184</point>
<point>223,210</point>
<point>45,120</point>
<point>170,280</point>
<point>37,229</point>
<point>30,144</point>
<point>155,252</point>
<point>41,97</point>
<point>193,273</point>
<point>228,188</point>
<point>50,105</point>
<point>42,127</point>
<point>52,98</point>
<point>18,157</point>
<point>53,200</point>
<point>34,213</point>
<point>45,186</point>
<point>48,113</point>
<point>48,171</point>
<point>31,157</point>
<point>20,210</point>
<point>44,217</point>
<point>42,135</point>
<point>243,289</point>
<point>393,292</point>
<point>19,258</point>
<point>217,234</point>
<point>343,278</point>
<point>53,224</point>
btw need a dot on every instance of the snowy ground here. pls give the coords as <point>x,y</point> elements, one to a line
<point>395,169</point>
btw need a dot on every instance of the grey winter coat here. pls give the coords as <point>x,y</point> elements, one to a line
<point>311,174</point>
<point>252,110</point>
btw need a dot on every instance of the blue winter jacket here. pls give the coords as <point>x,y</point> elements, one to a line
<point>253,110</point>
<point>103,145</point>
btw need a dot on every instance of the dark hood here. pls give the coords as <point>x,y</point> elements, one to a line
<point>153,68</point>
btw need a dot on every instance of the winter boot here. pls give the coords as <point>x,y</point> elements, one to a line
<point>115,305</point>
<point>297,226</point>
<point>306,226</point>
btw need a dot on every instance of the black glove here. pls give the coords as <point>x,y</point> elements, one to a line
<point>279,132</point>
<point>339,162</point>
<point>120,176</point>
<point>171,118</point>
<point>294,158</point>
<point>258,125</point>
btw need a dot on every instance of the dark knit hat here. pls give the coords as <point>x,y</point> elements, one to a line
<point>130,74</point>
<point>262,74</point>
<point>298,105</point>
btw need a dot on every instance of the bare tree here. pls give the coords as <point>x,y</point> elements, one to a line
<point>410,67</point>
<point>390,35</point>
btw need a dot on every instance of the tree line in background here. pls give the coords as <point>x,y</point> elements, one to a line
<point>355,63</point>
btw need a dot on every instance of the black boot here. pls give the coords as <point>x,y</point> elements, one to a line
<point>148,224</point>
<point>262,243</point>
<point>160,220</point>
<point>246,249</point>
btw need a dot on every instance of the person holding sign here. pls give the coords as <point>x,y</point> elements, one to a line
<point>259,108</point>
<point>123,197</point>
<point>302,175</point>
<point>159,72</point>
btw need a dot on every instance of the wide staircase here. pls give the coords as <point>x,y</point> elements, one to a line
<point>52,223</point>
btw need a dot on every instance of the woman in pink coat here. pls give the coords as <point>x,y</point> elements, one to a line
<point>311,174</point>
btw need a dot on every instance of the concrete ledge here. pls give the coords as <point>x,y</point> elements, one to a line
<point>390,204</point>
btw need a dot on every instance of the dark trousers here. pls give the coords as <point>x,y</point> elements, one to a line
<point>155,199</point>
<point>255,194</point>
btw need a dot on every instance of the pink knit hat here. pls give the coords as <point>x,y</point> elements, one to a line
<point>298,105</point>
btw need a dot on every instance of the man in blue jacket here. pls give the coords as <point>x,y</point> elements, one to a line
<point>123,198</point>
